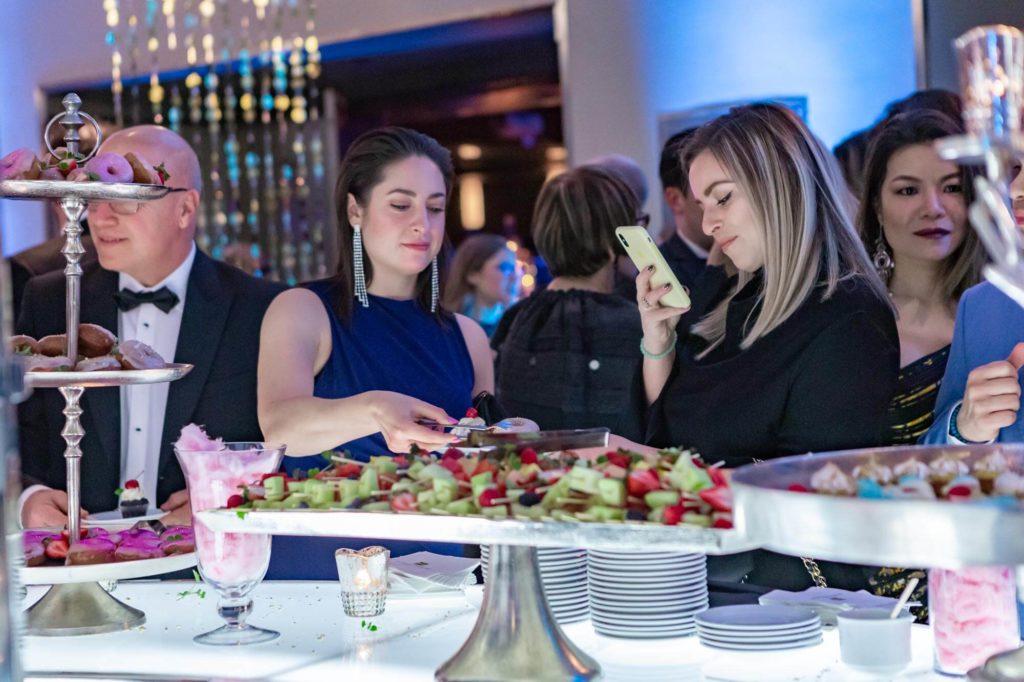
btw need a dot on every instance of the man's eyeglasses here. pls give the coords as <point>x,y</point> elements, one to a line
<point>132,207</point>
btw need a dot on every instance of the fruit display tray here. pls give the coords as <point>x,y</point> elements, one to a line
<point>477,529</point>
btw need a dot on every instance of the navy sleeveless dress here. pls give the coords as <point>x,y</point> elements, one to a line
<point>389,346</point>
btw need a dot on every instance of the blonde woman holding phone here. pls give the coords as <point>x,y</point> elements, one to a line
<point>799,353</point>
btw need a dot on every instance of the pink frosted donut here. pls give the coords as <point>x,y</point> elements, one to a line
<point>128,552</point>
<point>185,532</point>
<point>21,164</point>
<point>110,167</point>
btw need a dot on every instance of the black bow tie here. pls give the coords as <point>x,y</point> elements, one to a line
<point>163,298</point>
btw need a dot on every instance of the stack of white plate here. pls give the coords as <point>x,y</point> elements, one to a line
<point>752,627</point>
<point>646,595</point>
<point>563,572</point>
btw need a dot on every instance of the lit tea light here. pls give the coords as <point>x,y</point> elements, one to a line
<point>364,580</point>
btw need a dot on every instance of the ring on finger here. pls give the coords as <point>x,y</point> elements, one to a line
<point>647,304</point>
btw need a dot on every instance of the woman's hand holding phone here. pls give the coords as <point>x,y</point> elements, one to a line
<point>658,320</point>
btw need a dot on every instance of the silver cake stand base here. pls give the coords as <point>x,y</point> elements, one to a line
<point>1007,667</point>
<point>516,637</point>
<point>80,609</point>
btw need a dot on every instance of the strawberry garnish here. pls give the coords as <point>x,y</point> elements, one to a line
<point>719,497</point>
<point>348,470</point>
<point>528,456</point>
<point>959,491</point>
<point>672,514</point>
<point>488,496</point>
<point>618,459</point>
<point>235,501</point>
<point>471,413</point>
<point>642,481</point>
<point>57,548</point>
<point>403,503</point>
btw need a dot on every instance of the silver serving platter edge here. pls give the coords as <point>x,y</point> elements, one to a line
<point>171,372</point>
<point>876,532</point>
<point>93,191</point>
<point>478,530</point>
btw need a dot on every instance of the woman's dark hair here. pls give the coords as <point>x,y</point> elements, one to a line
<point>962,269</point>
<point>470,257</point>
<point>575,217</point>
<point>362,169</point>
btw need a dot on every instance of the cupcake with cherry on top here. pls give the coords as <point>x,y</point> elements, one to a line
<point>131,502</point>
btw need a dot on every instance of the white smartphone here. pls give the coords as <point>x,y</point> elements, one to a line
<point>644,252</point>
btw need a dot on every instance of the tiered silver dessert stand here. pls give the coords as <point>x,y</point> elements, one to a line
<point>79,608</point>
<point>887,532</point>
<point>515,636</point>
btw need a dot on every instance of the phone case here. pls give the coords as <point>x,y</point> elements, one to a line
<point>644,252</point>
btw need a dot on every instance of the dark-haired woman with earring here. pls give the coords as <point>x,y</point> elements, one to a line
<point>352,362</point>
<point>913,219</point>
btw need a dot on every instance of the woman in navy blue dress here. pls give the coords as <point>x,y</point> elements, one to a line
<point>351,362</point>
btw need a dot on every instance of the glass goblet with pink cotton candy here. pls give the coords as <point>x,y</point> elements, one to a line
<point>233,564</point>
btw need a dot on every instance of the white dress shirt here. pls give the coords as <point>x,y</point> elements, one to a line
<point>143,407</point>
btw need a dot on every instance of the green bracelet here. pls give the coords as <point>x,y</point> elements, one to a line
<point>665,353</point>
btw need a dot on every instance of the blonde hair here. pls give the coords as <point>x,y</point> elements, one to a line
<point>800,204</point>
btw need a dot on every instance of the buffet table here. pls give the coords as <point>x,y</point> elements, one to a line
<point>414,636</point>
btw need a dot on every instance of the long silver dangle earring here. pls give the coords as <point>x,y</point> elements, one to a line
<point>357,266</point>
<point>434,286</point>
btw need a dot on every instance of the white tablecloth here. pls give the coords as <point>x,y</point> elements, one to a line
<point>414,637</point>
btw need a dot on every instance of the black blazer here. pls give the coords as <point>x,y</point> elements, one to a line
<point>39,260</point>
<point>220,331</point>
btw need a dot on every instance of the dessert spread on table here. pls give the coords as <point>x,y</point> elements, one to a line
<point>102,546</point>
<point>949,476</point>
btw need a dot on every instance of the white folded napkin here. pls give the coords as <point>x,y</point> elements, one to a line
<point>423,572</point>
<point>828,601</point>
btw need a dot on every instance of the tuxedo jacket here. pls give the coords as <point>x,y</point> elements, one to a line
<point>39,260</point>
<point>220,332</point>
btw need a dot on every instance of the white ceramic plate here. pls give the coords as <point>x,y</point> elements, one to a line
<point>628,633</point>
<point>757,617</point>
<point>690,608</point>
<point>646,594</point>
<point>644,577</point>
<point>722,633</point>
<point>114,518</point>
<point>670,585</point>
<point>121,570</point>
<point>762,647</point>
